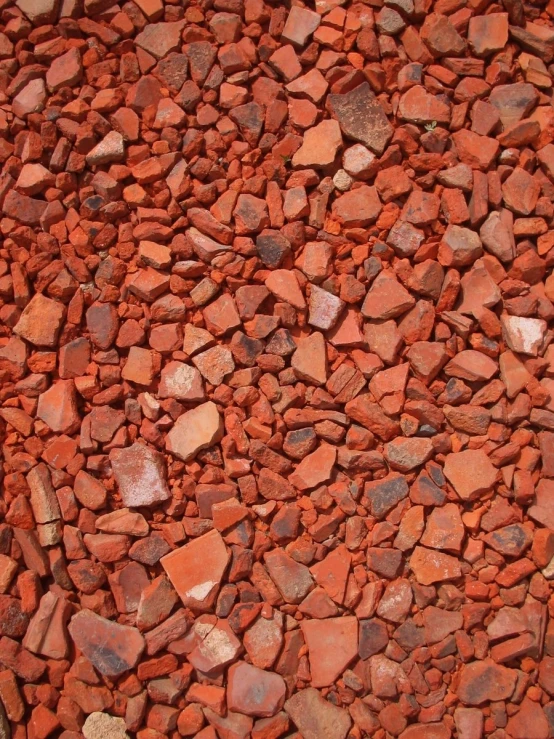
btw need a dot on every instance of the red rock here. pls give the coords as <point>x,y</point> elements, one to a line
<point>65,71</point>
<point>253,691</point>
<point>293,579</point>
<point>407,454</point>
<point>470,472</point>
<point>57,407</point>
<point>196,570</point>
<point>309,361</point>
<point>315,717</point>
<point>383,495</point>
<point>284,285</point>
<point>320,145</point>
<point>418,106</point>
<point>357,208</point>
<point>386,298</point>
<point>314,469</point>
<point>140,475</point>
<point>112,648</point>
<point>195,430</point>
<point>41,321</point>
<point>430,566</point>
<point>332,645</point>
<point>300,24</point>
<point>159,39</point>
<point>484,681</point>
<point>361,117</point>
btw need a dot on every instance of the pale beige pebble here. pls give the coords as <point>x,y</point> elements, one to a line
<point>196,429</point>
<point>524,335</point>
<point>342,180</point>
<point>103,726</point>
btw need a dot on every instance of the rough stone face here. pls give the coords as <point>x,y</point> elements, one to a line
<point>362,118</point>
<point>315,717</point>
<point>483,680</point>
<point>255,692</point>
<point>196,570</point>
<point>196,429</point>
<point>100,725</point>
<point>111,647</point>
<point>140,475</point>
<point>41,321</point>
<point>276,369</point>
<point>320,146</point>
<point>470,472</point>
<point>332,645</point>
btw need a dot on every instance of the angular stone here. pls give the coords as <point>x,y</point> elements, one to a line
<point>471,365</point>
<point>320,145</point>
<point>301,23</point>
<point>421,107</point>
<point>57,407</point>
<point>140,475</point>
<point>483,681</point>
<point>407,454</point>
<point>111,647</point>
<point>444,529</point>
<point>309,361</point>
<point>386,298</point>
<point>110,149</point>
<point>511,541</point>
<point>196,570</point>
<point>219,648</point>
<point>383,495</point>
<point>358,208</point>
<point>41,321</point>
<point>47,632</point>
<point>159,39</point>
<point>64,71</point>
<point>332,646</point>
<point>293,579</point>
<point>470,472</point>
<point>430,566</point>
<point>488,33</point>
<point>102,725</point>
<point>254,692</point>
<point>524,335</point>
<point>182,382</point>
<point>314,469</point>
<point>317,718</point>
<point>325,308</point>
<point>196,429</point>
<point>361,117</point>
<point>284,285</point>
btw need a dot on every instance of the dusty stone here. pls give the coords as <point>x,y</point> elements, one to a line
<point>140,475</point>
<point>99,725</point>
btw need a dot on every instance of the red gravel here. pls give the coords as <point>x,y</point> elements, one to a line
<point>277,371</point>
